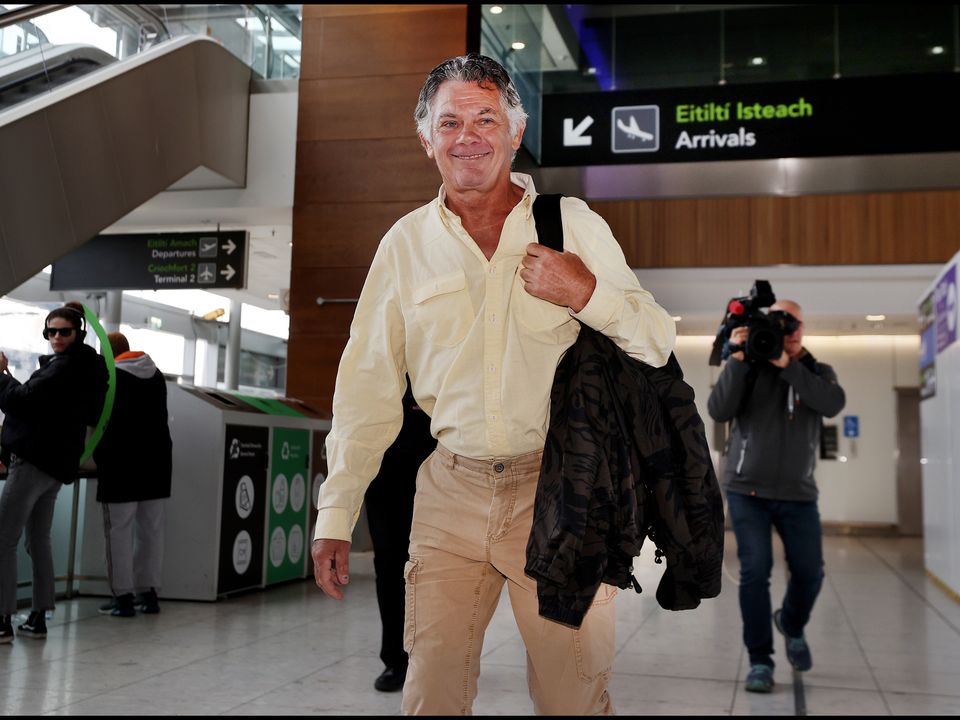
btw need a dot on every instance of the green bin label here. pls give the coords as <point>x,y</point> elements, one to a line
<point>288,497</point>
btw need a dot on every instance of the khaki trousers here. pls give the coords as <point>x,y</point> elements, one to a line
<point>471,521</point>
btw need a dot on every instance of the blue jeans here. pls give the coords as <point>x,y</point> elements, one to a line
<point>798,524</point>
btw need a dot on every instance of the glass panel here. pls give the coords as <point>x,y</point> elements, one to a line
<point>48,50</point>
<point>778,44</point>
<point>888,39</point>
<point>672,50</point>
<point>598,48</point>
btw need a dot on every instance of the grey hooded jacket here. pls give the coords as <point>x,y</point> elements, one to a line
<point>776,415</point>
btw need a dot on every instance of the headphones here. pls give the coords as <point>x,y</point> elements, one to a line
<point>81,330</point>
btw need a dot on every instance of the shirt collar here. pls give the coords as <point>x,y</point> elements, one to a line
<point>526,202</point>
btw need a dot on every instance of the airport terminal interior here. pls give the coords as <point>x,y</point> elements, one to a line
<point>213,181</point>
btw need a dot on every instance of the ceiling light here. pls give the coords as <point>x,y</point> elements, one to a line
<point>591,71</point>
<point>936,50</point>
<point>496,10</point>
<point>758,61</point>
<point>273,296</point>
<point>518,45</point>
<point>876,318</point>
<point>677,318</point>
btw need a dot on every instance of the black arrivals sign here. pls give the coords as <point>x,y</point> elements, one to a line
<point>155,261</point>
<point>847,116</point>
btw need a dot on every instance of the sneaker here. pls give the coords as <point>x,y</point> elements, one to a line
<point>760,679</point>
<point>798,652</point>
<point>123,606</point>
<point>6,630</point>
<point>35,626</point>
<point>147,603</point>
<point>107,608</point>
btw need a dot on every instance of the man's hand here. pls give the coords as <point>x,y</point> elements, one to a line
<point>560,278</point>
<point>739,337</point>
<point>331,565</point>
<point>782,361</point>
<point>3,363</point>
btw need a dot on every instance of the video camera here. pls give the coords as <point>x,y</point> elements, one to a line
<point>767,329</point>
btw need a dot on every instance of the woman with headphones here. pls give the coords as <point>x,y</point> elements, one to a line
<point>43,436</point>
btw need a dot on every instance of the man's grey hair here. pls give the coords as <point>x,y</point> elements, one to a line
<point>476,68</point>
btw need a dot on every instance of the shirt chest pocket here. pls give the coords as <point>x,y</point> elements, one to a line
<point>543,318</point>
<point>443,309</point>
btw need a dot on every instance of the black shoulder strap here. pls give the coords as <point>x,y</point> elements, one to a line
<point>546,215</point>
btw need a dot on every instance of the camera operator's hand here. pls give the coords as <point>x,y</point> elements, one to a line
<point>739,337</point>
<point>3,363</point>
<point>782,361</point>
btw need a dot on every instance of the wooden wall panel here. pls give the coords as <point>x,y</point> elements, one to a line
<point>388,169</point>
<point>359,165</point>
<point>397,43</point>
<point>849,229</point>
<point>370,107</point>
<point>335,234</point>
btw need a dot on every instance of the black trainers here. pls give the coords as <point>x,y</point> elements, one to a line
<point>147,603</point>
<point>6,630</point>
<point>798,652</point>
<point>120,606</point>
<point>35,626</point>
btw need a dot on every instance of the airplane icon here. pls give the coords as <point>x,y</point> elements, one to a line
<point>206,274</point>
<point>633,130</point>
<point>207,246</point>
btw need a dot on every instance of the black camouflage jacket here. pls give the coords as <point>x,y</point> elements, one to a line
<point>625,458</point>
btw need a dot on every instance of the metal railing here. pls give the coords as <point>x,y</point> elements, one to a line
<point>38,43</point>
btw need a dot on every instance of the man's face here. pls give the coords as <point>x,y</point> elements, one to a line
<point>471,139</point>
<point>792,343</point>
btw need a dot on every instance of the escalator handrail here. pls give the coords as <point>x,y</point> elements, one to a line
<point>84,82</point>
<point>27,12</point>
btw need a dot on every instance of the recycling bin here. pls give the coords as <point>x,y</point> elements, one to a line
<point>239,510</point>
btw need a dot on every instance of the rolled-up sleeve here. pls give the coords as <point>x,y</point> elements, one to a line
<point>619,307</point>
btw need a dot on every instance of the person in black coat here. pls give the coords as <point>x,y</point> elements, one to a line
<point>134,467</point>
<point>389,502</point>
<point>44,431</point>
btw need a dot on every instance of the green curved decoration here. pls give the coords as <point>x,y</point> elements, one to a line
<point>93,322</point>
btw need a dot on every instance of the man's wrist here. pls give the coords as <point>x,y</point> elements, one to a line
<point>585,295</point>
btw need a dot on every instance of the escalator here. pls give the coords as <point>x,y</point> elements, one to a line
<point>85,137</point>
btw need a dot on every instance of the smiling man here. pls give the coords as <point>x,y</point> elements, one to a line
<point>462,298</point>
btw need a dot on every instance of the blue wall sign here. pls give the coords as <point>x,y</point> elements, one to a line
<point>851,426</point>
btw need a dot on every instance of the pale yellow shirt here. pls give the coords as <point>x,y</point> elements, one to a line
<point>481,352</point>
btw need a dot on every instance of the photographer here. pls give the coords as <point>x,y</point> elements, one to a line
<point>776,405</point>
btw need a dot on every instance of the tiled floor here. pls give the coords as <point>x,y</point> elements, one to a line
<point>885,641</point>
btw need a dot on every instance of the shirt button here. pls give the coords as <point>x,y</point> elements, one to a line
<point>498,468</point>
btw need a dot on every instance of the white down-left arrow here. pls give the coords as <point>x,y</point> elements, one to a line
<point>573,136</point>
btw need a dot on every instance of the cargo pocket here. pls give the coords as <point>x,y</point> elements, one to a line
<point>594,640</point>
<point>443,309</point>
<point>410,571</point>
